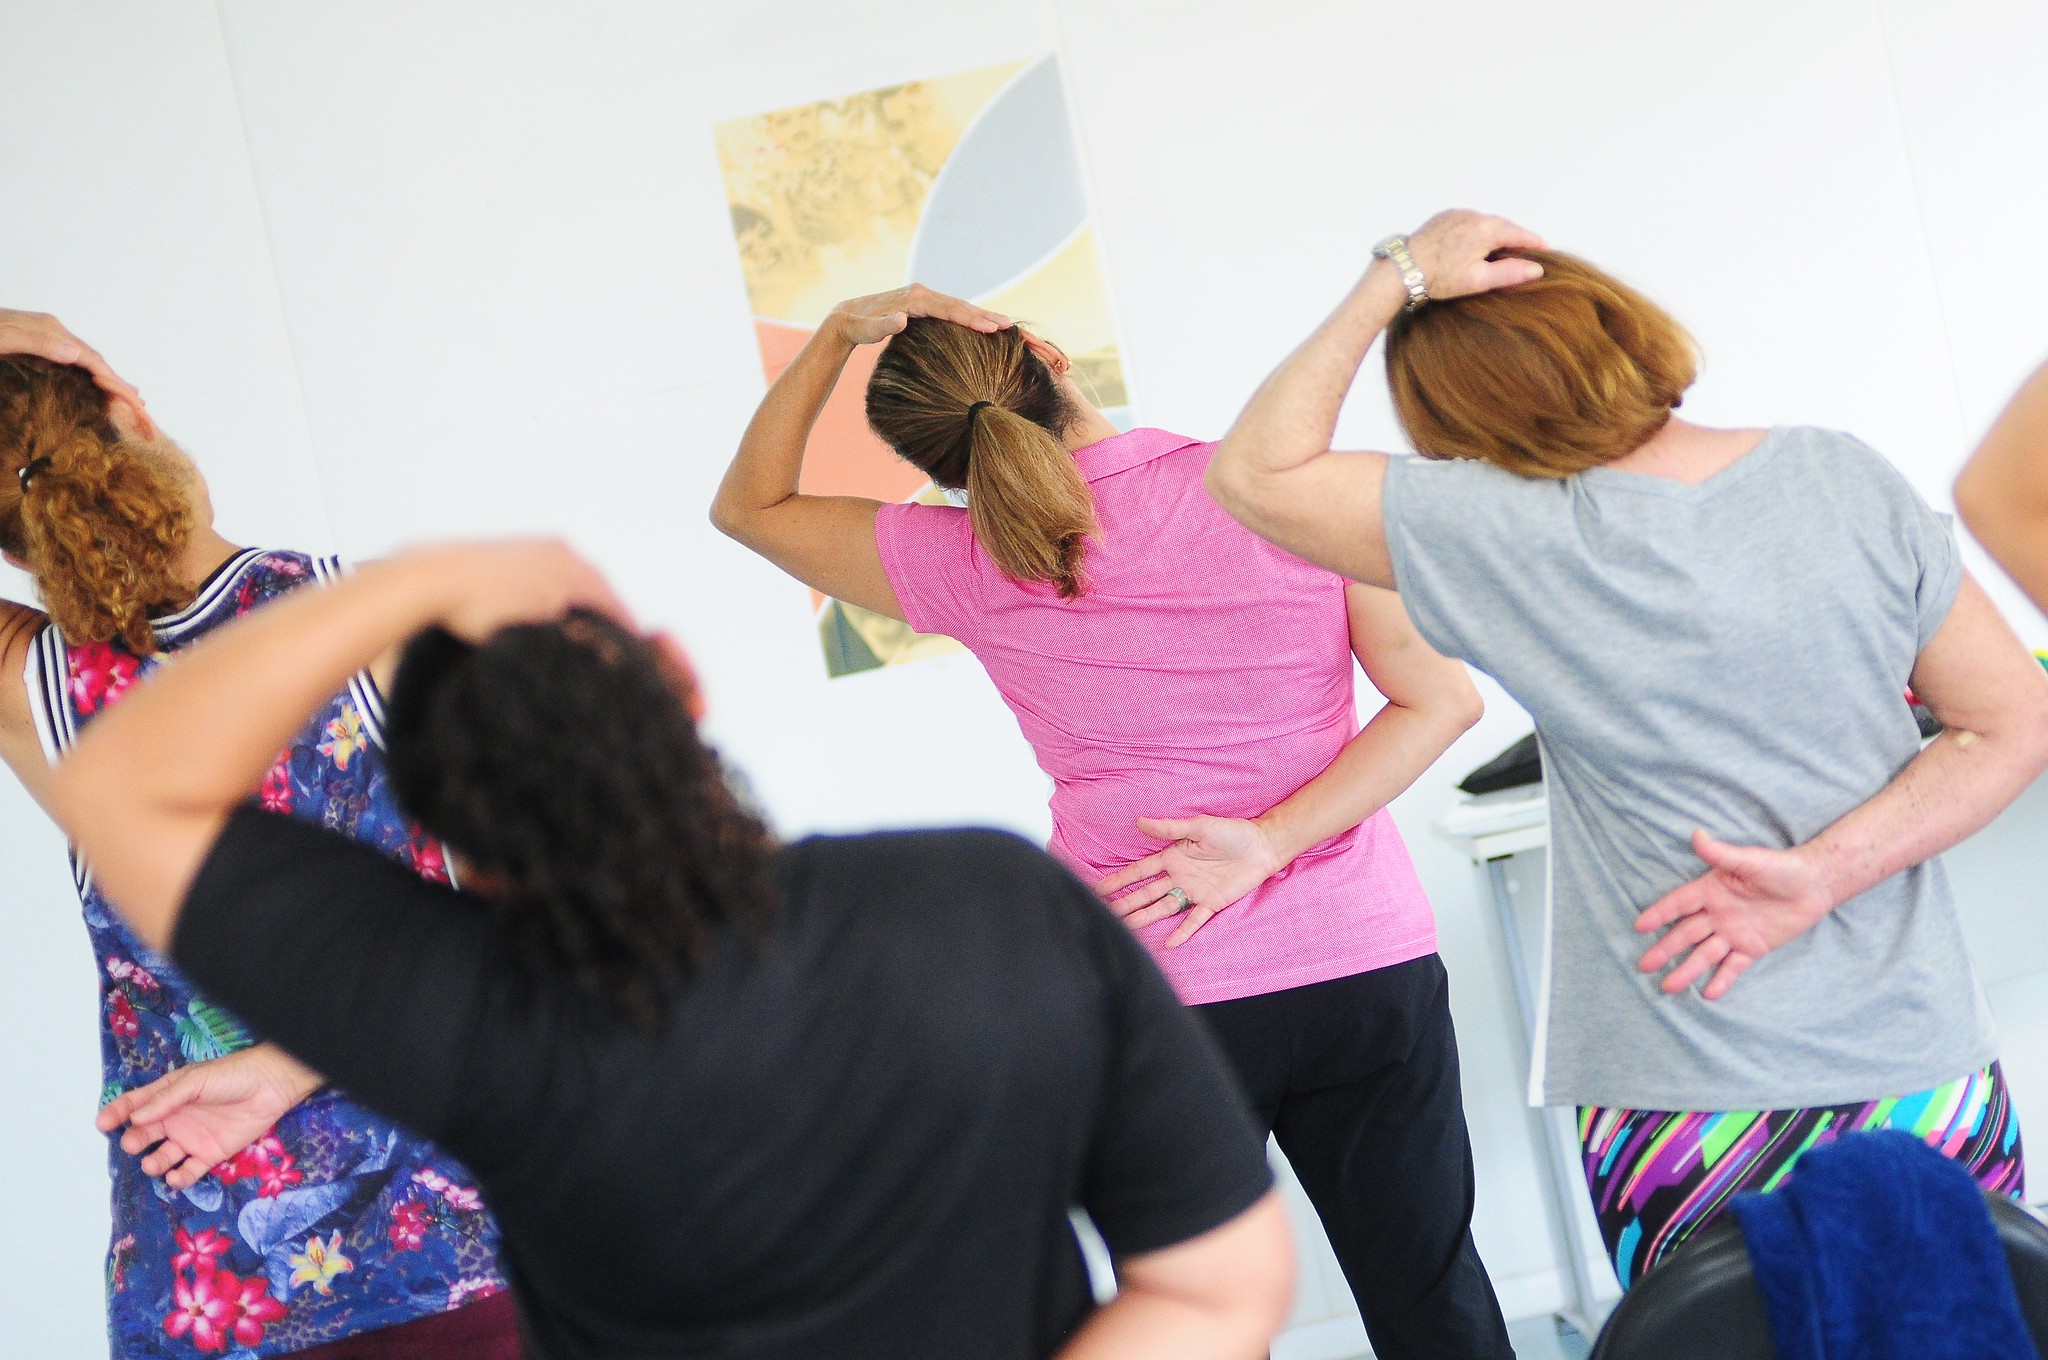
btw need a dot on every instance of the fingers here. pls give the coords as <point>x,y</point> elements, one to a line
<point>161,1099</point>
<point>140,1138</point>
<point>1158,911</point>
<point>1169,828</point>
<point>143,1105</point>
<point>1742,860</point>
<point>1676,941</point>
<point>1734,966</point>
<point>44,336</point>
<point>1132,873</point>
<point>1197,918</point>
<point>1683,900</point>
<point>922,301</point>
<point>115,1112</point>
<point>1696,966</point>
<point>1143,896</point>
<point>166,1157</point>
<point>1505,274</point>
<point>187,1174</point>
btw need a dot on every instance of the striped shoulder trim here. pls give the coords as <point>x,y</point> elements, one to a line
<point>48,674</point>
<point>363,689</point>
<point>171,627</point>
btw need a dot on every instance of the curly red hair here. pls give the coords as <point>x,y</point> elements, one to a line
<point>102,521</point>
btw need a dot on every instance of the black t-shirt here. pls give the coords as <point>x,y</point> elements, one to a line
<point>860,1139</point>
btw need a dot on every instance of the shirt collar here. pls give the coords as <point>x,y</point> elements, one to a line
<point>1122,452</point>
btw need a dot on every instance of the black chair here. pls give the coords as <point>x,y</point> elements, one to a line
<point>1703,1303</point>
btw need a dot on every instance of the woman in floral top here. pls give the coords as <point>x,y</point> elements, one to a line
<point>259,1214</point>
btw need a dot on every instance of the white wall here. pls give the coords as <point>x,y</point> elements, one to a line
<point>395,270</point>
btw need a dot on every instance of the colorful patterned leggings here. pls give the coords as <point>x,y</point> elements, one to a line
<point>1659,1176</point>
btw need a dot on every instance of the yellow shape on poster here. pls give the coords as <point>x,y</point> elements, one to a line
<point>826,197</point>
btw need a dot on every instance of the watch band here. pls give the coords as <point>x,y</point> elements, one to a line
<point>1395,250</point>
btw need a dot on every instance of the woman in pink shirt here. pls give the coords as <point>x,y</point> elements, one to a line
<point>1189,689</point>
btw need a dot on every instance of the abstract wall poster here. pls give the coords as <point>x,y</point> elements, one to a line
<point>970,183</point>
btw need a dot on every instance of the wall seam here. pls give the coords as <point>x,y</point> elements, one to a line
<point>284,311</point>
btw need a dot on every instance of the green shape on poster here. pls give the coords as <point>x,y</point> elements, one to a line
<point>846,653</point>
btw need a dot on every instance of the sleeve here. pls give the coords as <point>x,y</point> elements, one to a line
<point>1175,1151</point>
<point>933,564</point>
<point>374,977</point>
<point>1432,540</point>
<point>1933,541</point>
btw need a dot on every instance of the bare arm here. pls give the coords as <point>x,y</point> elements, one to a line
<point>1220,1296</point>
<point>827,542</point>
<point>2002,493</point>
<point>1993,700</point>
<point>20,746</point>
<point>150,784</point>
<point>1217,860</point>
<point>1275,472</point>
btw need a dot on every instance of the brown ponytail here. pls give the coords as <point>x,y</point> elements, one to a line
<point>981,412</point>
<point>100,520</point>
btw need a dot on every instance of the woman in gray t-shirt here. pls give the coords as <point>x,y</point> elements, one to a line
<point>1715,631</point>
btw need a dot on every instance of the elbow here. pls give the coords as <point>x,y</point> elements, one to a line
<point>1977,502</point>
<point>1465,708</point>
<point>727,518</point>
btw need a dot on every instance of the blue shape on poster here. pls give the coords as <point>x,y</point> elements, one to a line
<point>1010,194</point>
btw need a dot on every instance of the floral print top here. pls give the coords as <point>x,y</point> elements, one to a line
<point>337,1222</point>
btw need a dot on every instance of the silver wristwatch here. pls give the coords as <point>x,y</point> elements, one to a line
<point>1395,249</point>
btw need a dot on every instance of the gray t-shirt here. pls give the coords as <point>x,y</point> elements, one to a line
<point>1733,656</point>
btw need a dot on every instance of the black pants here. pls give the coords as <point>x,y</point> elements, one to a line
<point>1357,1078</point>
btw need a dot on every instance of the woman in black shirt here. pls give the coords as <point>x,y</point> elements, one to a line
<point>834,1099</point>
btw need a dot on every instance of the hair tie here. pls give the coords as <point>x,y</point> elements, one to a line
<point>974,409</point>
<point>32,469</point>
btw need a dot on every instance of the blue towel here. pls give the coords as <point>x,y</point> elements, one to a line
<point>1880,1248</point>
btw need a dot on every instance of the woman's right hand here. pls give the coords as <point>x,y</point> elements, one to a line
<point>872,319</point>
<point>483,587</point>
<point>44,336</point>
<point>1213,861</point>
<point>1452,250</point>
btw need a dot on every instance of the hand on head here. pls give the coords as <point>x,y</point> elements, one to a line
<point>493,585</point>
<point>868,320</point>
<point>1455,249</point>
<point>44,336</point>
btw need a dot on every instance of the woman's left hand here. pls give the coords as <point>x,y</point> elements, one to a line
<point>872,319</point>
<point>1213,860</point>
<point>488,585</point>
<point>1750,901</point>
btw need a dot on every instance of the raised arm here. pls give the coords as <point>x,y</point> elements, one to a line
<point>1430,702</point>
<point>44,336</point>
<point>1275,472</point>
<point>20,745</point>
<point>2002,493</point>
<point>150,784</point>
<point>827,542</point>
<point>1992,700</point>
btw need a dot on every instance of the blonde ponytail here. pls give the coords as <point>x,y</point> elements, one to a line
<point>101,522</point>
<point>982,413</point>
<point>1030,509</point>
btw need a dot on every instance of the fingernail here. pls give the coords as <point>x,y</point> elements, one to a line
<point>68,353</point>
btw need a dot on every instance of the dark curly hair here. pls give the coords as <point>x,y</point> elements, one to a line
<point>561,761</point>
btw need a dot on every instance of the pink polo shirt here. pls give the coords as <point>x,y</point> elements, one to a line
<point>1203,671</point>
